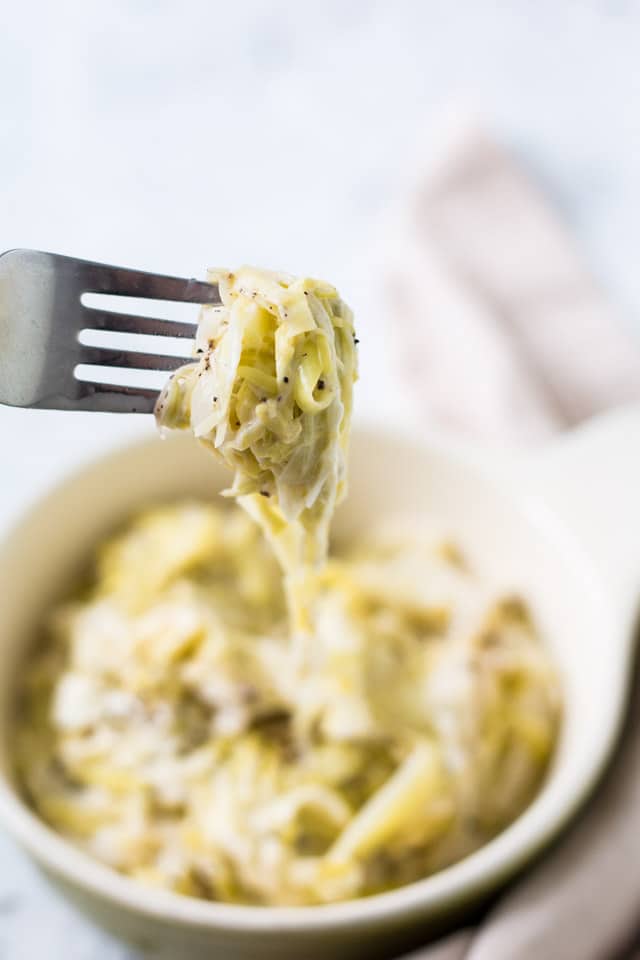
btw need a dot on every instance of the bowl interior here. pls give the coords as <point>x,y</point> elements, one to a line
<point>511,540</point>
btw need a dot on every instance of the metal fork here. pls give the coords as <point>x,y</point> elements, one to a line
<point>42,317</point>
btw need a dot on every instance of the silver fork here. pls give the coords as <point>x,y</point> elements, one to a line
<point>42,317</point>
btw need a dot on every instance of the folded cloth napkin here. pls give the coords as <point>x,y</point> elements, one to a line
<point>507,335</point>
<point>511,340</point>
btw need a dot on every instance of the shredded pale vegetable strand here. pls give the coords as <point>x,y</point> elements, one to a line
<point>169,730</point>
<point>271,395</point>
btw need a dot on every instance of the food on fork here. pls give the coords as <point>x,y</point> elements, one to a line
<point>271,395</point>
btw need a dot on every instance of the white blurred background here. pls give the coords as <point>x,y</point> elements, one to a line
<point>174,136</point>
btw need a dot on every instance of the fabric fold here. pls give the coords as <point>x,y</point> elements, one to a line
<point>508,336</point>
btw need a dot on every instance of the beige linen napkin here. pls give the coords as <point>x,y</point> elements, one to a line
<point>511,340</point>
<point>506,334</point>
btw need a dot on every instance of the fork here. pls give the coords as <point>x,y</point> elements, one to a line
<point>42,317</point>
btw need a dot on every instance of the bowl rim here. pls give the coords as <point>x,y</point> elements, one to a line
<point>468,879</point>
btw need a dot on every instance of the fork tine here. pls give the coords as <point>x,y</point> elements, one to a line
<point>121,281</point>
<point>115,398</point>
<point>129,359</point>
<point>129,323</point>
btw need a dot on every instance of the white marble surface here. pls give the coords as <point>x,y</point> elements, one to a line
<point>173,136</point>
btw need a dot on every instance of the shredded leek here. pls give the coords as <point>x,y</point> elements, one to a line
<point>271,394</point>
<point>168,729</point>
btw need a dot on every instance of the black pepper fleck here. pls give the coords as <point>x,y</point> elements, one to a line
<point>286,379</point>
<point>320,384</point>
<point>265,493</point>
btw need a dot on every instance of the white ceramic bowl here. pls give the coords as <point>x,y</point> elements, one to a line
<point>563,527</point>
